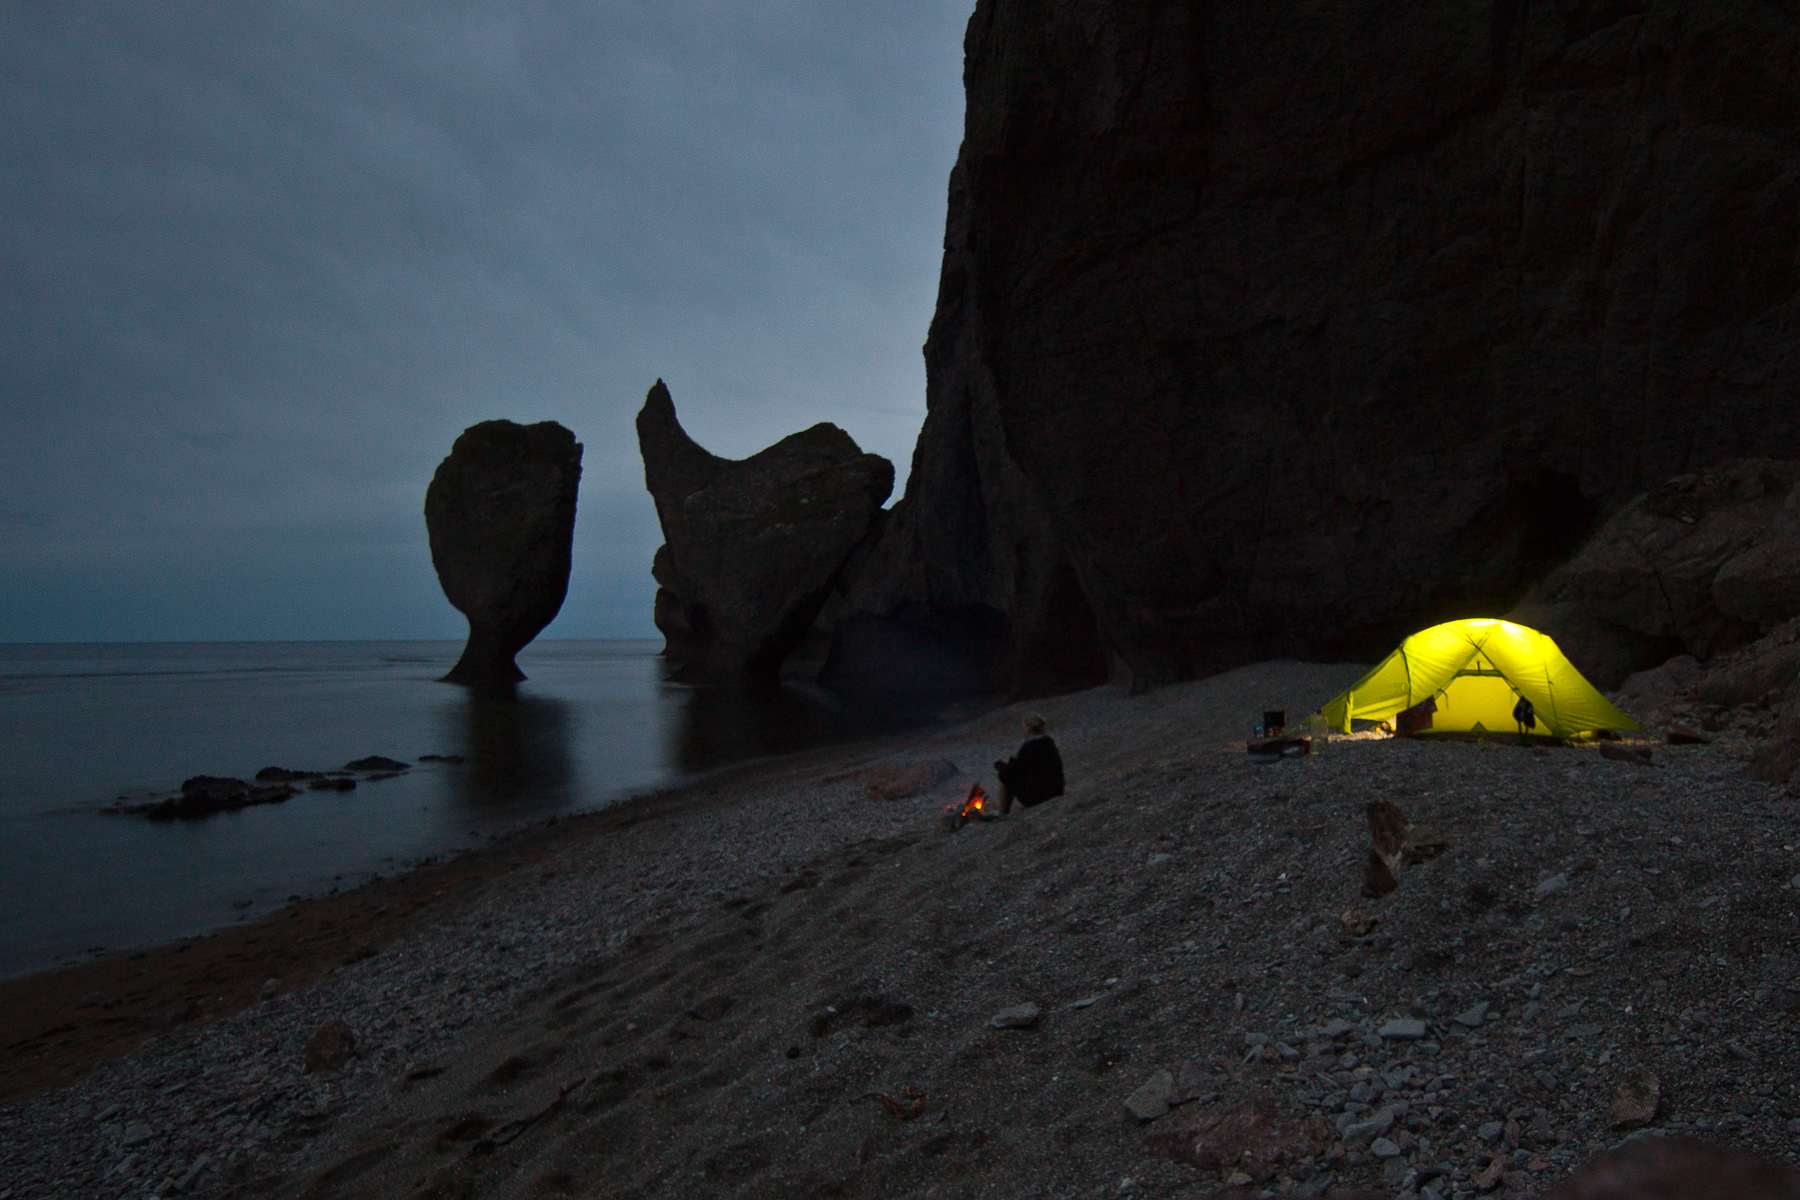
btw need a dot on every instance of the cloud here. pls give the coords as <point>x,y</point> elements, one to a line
<point>259,264</point>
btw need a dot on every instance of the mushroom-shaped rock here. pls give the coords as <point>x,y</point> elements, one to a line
<point>753,547</point>
<point>501,515</point>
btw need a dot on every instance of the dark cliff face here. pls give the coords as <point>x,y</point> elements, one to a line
<point>1284,329</point>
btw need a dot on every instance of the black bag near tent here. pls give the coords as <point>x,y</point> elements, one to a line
<point>1524,714</point>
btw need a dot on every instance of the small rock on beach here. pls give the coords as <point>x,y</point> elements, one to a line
<point>1019,1016</point>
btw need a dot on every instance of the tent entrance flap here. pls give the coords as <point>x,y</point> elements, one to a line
<point>1476,703</point>
<point>1476,671</point>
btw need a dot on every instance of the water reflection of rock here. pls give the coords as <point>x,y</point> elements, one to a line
<point>518,749</point>
<point>721,725</point>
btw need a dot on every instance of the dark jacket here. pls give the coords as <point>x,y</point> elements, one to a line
<point>1035,773</point>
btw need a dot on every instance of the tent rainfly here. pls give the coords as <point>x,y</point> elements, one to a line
<point>1473,673</point>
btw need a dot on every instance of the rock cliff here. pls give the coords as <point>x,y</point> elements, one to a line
<point>752,548</point>
<point>1279,329</point>
<point>500,512</point>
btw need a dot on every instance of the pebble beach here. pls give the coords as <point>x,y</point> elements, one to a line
<point>771,984</point>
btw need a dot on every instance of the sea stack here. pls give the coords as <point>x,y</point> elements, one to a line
<point>501,515</point>
<point>754,547</point>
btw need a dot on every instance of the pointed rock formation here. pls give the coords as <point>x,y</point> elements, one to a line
<point>754,547</point>
<point>501,515</point>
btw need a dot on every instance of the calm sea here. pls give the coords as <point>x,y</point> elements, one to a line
<point>83,725</point>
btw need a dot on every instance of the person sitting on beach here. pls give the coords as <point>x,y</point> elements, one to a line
<point>1035,773</point>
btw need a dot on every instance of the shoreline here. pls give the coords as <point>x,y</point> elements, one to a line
<point>63,1021</point>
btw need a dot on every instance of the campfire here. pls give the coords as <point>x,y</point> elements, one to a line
<point>975,807</point>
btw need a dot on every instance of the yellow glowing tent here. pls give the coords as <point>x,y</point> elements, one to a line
<point>1475,672</point>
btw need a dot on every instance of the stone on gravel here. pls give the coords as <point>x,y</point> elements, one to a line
<point>1491,1131</point>
<point>1686,735</point>
<point>1360,1133</point>
<point>1252,1137</point>
<point>136,1134</point>
<point>1378,875</point>
<point>1194,1081</point>
<point>1677,1166</point>
<point>1388,826</point>
<point>1153,1097</point>
<point>330,1047</point>
<point>1019,1016</point>
<point>1556,883</point>
<point>1625,754</point>
<point>899,781</point>
<point>1473,1016</point>
<point>1634,1104</point>
<point>1403,1029</point>
<point>1422,843</point>
<point>193,1173</point>
<point>1383,1148</point>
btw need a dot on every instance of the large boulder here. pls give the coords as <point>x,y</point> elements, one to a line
<point>1693,566</point>
<point>753,548</point>
<point>1270,329</point>
<point>1653,696</point>
<point>1778,759</point>
<point>1762,585</point>
<point>501,516</point>
<point>1754,689</point>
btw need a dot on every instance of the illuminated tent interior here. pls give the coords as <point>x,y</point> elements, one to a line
<point>1464,678</point>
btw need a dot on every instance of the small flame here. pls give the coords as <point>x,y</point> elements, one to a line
<point>975,805</point>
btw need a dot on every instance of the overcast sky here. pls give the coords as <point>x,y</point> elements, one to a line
<point>260,263</point>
